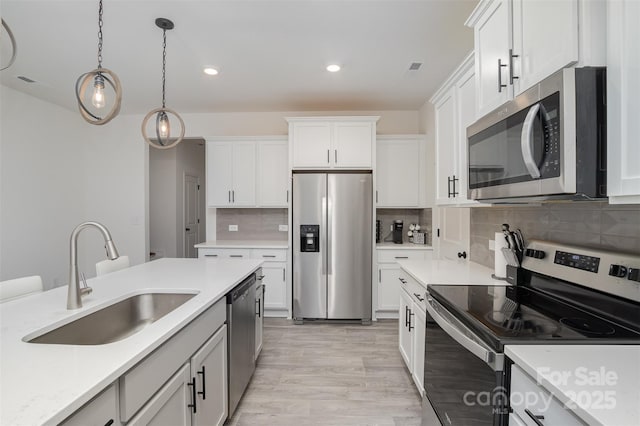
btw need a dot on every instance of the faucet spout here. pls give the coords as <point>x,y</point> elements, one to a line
<point>74,295</point>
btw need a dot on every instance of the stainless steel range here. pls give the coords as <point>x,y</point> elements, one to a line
<point>566,295</point>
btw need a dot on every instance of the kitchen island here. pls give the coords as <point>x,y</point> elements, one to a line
<point>45,383</point>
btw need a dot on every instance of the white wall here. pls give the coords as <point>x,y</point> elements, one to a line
<point>190,161</point>
<point>42,186</point>
<point>162,202</point>
<point>427,127</point>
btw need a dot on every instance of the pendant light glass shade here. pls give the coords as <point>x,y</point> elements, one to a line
<point>91,92</point>
<point>14,46</point>
<point>164,139</point>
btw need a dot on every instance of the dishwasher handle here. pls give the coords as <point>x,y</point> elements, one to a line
<point>460,334</point>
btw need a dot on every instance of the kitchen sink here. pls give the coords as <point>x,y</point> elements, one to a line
<point>114,322</point>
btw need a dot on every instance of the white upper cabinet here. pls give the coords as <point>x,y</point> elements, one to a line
<point>400,168</point>
<point>623,102</point>
<point>454,112</point>
<point>273,173</point>
<point>231,174</point>
<point>518,43</point>
<point>332,142</point>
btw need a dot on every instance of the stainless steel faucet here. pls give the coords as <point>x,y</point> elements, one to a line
<point>75,293</point>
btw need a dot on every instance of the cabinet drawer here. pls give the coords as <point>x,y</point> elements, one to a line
<point>143,380</point>
<point>269,255</point>
<point>395,255</point>
<point>529,397</point>
<point>418,292</point>
<point>99,411</point>
<point>224,253</point>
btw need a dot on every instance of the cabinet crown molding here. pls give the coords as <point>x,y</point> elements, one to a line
<point>465,66</point>
<point>246,138</point>
<point>472,20</point>
<point>372,118</point>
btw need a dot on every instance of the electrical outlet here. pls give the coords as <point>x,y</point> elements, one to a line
<point>391,227</point>
<point>233,228</point>
<point>283,228</point>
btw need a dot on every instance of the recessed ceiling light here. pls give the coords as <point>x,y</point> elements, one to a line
<point>211,71</point>
<point>333,68</point>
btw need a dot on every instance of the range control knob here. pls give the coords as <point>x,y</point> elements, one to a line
<point>529,252</point>
<point>617,271</point>
<point>634,274</point>
<point>539,254</point>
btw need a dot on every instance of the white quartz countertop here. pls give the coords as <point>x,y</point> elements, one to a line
<point>43,383</point>
<point>407,246</point>
<point>436,271</point>
<point>259,244</point>
<point>599,383</point>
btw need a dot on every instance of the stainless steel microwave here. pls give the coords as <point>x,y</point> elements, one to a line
<point>547,143</point>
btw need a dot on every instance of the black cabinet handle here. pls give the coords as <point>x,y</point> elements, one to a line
<point>500,85</point>
<point>109,423</point>
<point>268,255</point>
<point>448,186</point>
<point>260,278</point>
<point>462,255</point>
<point>233,196</point>
<point>192,383</point>
<point>454,179</point>
<point>204,389</point>
<point>335,155</point>
<point>401,257</point>
<point>535,417</point>
<point>229,195</point>
<point>421,299</point>
<point>236,255</point>
<point>402,280</point>
<point>406,316</point>
<point>210,255</point>
<point>258,308</point>
<point>327,156</point>
<point>411,327</point>
<point>511,76</point>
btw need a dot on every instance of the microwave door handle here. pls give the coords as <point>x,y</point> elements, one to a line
<point>526,142</point>
<point>491,358</point>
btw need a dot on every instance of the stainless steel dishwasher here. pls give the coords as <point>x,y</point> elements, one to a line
<point>241,328</point>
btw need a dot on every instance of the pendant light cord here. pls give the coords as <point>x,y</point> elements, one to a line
<point>100,35</point>
<point>164,63</point>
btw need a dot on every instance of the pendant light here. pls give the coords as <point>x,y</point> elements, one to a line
<point>97,79</point>
<point>14,46</point>
<point>163,139</point>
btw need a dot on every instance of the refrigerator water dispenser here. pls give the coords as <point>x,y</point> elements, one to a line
<point>309,238</point>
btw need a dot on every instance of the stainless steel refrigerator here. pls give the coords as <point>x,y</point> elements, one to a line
<point>332,246</point>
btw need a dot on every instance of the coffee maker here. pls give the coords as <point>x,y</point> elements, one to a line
<point>397,231</point>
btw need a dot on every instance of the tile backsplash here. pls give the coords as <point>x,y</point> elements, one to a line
<point>592,224</point>
<point>253,224</point>
<point>420,216</point>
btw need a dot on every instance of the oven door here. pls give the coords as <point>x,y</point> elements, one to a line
<point>463,377</point>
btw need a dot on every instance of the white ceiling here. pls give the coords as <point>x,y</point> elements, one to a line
<point>271,54</point>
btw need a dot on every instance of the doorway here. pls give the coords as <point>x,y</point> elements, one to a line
<point>177,199</point>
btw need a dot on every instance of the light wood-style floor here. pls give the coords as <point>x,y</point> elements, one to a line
<point>329,374</point>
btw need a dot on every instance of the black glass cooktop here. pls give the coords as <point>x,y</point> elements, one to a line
<point>518,314</point>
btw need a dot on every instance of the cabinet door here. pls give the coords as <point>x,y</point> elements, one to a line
<point>273,174</point>
<point>420,323</point>
<point>243,192</point>
<point>492,42</point>
<point>352,145</point>
<point>405,333</point>
<point>388,287</point>
<point>102,410</point>
<point>219,174</point>
<point>311,144</point>
<point>275,285</point>
<point>170,406</point>
<point>545,38</point>
<point>466,115</point>
<point>259,319</point>
<point>445,118</point>
<point>209,367</point>
<point>623,102</point>
<point>398,173</point>
<point>454,225</point>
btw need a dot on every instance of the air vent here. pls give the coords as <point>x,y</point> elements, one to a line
<point>27,79</point>
<point>415,66</point>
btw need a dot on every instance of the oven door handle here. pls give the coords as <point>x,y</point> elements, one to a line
<point>438,313</point>
<point>526,142</point>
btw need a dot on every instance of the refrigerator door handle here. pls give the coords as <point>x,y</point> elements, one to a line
<point>329,223</point>
<point>323,236</point>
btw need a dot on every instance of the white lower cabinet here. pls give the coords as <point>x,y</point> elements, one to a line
<point>209,375</point>
<point>274,271</point>
<point>532,404</point>
<point>412,326</point>
<point>100,411</point>
<point>171,405</point>
<point>389,275</point>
